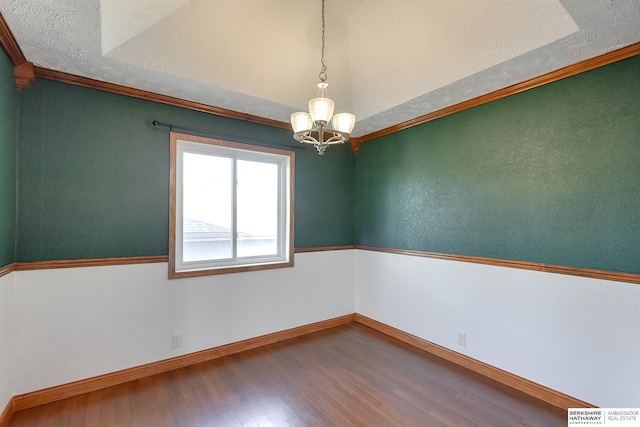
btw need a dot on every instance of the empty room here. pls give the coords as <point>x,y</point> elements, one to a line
<point>319,212</point>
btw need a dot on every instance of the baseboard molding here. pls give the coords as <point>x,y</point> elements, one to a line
<point>541,392</point>
<point>52,394</point>
<point>5,416</point>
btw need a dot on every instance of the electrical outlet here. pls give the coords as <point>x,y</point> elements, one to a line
<point>176,340</point>
<point>462,339</point>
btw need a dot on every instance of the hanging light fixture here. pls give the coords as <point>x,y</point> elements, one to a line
<point>311,127</point>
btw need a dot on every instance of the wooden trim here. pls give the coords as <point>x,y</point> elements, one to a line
<point>5,416</point>
<point>52,394</point>
<point>325,248</point>
<point>355,144</point>
<point>538,391</point>
<point>23,71</point>
<point>292,207</point>
<point>229,270</point>
<point>101,262</point>
<point>17,57</point>
<point>7,269</point>
<point>89,262</point>
<point>10,44</point>
<point>173,159</point>
<point>25,75</point>
<point>155,97</point>
<point>525,265</point>
<point>571,70</point>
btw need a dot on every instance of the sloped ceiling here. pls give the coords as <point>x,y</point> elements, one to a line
<point>388,62</point>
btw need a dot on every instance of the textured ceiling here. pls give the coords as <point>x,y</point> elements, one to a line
<point>388,62</point>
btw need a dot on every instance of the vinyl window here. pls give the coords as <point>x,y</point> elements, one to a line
<point>230,208</point>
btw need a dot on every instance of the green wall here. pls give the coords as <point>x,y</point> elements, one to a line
<point>93,175</point>
<point>551,175</point>
<point>8,119</point>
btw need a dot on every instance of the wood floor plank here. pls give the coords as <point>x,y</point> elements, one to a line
<point>412,407</point>
<point>92,408</point>
<point>349,375</point>
<point>324,403</point>
<point>306,411</point>
<point>357,415</point>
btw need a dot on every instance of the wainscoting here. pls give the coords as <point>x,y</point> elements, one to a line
<point>65,327</point>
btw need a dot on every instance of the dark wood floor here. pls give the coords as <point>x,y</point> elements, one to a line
<point>348,375</point>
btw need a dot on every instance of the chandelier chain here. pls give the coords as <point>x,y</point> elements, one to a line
<point>320,126</point>
<point>323,69</point>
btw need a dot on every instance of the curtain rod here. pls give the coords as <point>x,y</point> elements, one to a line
<point>234,138</point>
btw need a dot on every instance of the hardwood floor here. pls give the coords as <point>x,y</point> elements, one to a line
<point>347,375</point>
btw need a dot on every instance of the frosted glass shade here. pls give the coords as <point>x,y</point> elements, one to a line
<point>301,121</point>
<point>321,109</point>
<point>344,122</point>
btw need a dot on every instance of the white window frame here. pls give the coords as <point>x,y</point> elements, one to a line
<point>285,160</point>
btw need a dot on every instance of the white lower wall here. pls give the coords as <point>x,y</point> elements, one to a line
<point>575,335</point>
<point>6,339</point>
<point>80,322</point>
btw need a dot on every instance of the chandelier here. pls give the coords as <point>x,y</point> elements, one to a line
<point>311,127</point>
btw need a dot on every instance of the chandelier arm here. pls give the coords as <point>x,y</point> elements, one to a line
<point>317,136</point>
<point>337,139</point>
<point>305,136</point>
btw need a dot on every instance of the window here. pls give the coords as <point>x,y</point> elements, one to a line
<point>231,207</point>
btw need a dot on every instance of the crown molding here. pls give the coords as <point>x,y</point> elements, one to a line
<point>23,71</point>
<point>571,70</point>
<point>10,44</point>
<point>152,96</point>
<point>25,75</point>
<point>17,57</point>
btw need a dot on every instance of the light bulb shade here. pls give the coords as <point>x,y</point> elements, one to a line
<point>344,122</point>
<point>301,121</point>
<point>321,109</point>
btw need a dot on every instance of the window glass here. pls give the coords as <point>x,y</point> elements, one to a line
<point>207,207</point>
<point>231,207</point>
<point>257,208</point>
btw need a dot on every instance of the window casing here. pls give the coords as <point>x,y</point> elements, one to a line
<point>231,207</point>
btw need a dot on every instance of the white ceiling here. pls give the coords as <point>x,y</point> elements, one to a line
<point>388,61</point>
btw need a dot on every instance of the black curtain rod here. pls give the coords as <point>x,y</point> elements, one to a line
<point>234,138</point>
